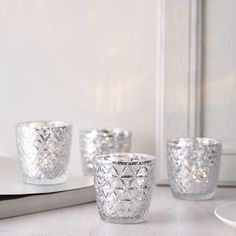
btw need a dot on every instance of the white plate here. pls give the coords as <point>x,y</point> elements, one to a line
<point>227,213</point>
<point>11,182</point>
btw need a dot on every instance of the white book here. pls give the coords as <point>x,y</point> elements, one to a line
<point>17,198</point>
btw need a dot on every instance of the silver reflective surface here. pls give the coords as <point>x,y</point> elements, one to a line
<point>193,167</point>
<point>43,150</point>
<point>124,183</point>
<point>97,141</point>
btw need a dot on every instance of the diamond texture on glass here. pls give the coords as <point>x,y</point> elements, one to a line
<point>95,142</point>
<point>123,184</point>
<point>193,167</point>
<point>43,151</point>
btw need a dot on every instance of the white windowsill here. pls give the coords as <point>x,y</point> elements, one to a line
<point>168,216</point>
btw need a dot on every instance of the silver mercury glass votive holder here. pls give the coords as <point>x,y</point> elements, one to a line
<point>43,149</point>
<point>94,142</point>
<point>193,167</point>
<point>124,184</point>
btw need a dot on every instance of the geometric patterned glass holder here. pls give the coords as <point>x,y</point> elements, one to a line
<point>43,149</point>
<point>124,184</point>
<point>193,167</point>
<point>94,142</point>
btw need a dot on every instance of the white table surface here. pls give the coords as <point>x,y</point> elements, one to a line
<point>168,216</point>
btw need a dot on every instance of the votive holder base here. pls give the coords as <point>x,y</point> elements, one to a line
<point>43,181</point>
<point>194,197</point>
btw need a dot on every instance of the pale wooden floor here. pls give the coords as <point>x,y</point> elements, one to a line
<point>168,216</point>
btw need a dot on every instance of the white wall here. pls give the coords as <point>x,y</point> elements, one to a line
<point>220,69</point>
<point>89,62</point>
<point>219,77</point>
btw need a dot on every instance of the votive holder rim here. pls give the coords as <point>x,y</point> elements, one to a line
<point>43,124</point>
<point>116,131</point>
<point>113,158</point>
<point>193,142</point>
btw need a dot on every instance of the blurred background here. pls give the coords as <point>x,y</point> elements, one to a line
<point>95,64</point>
<point>92,63</point>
